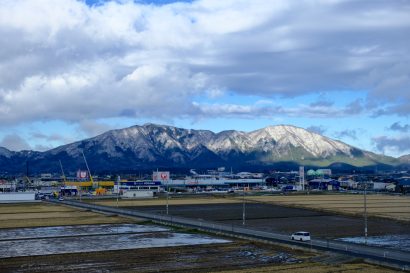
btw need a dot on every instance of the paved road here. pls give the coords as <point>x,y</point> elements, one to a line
<point>396,257</point>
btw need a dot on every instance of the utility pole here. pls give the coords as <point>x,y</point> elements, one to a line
<point>167,197</point>
<point>26,184</point>
<point>118,188</point>
<point>365,212</point>
<point>327,234</point>
<point>243,206</point>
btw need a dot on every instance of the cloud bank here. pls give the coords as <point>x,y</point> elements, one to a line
<point>64,60</point>
<point>401,128</point>
<point>392,144</point>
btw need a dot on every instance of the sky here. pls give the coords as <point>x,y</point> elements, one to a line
<point>71,69</point>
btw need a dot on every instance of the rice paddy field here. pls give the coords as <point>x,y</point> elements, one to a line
<point>316,268</point>
<point>383,206</point>
<point>378,205</point>
<point>235,256</point>
<point>44,214</point>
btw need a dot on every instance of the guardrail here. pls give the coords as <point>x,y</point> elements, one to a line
<point>383,255</point>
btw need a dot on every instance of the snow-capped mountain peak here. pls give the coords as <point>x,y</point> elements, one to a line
<point>160,145</point>
<point>313,143</point>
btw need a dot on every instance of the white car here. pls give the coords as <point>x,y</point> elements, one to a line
<point>301,236</point>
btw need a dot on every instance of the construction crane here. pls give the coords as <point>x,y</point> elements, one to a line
<point>88,169</point>
<point>27,178</point>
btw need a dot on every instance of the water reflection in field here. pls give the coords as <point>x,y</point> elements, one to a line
<point>116,237</point>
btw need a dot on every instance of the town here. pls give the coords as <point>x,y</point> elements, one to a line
<point>47,185</point>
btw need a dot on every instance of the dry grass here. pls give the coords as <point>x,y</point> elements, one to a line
<point>44,222</point>
<point>393,207</point>
<point>316,268</point>
<point>41,214</point>
<point>31,207</point>
<point>161,202</point>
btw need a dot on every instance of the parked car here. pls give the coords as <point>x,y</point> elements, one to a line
<point>301,236</point>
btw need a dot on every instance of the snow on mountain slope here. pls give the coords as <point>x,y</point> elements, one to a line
<point>4,152</point>
<point>285,135</point>
<point>405,159</point>
<point>149,140</point>
<point>153,145</point>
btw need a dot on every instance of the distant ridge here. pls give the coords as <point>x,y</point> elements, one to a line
<point>161,146</point>
<point>404,159</point>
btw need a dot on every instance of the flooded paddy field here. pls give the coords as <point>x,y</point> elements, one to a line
<point>396,242</point>
<point>71,231</point>
<point>79,240</point>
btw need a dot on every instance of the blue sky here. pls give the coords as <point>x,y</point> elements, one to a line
<point>74,69</point>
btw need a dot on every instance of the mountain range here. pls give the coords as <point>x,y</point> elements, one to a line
<point>154,146</point>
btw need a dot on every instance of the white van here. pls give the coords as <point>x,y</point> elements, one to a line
<point>301,236</point>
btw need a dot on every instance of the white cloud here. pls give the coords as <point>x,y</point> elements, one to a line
<point>392,145</point>
<point>348,133</point>
<point>63,60</point>
<point>92,128</point>
<point>317,129</point>
<point>401,128</point>
<point>269,110</point>
<point>14,142</point>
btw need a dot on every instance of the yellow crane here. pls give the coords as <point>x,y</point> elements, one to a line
<point>88,169</point>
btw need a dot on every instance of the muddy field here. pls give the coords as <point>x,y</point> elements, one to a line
<point>236,256</point>
<point>233,257</point>
<point>286,220</point>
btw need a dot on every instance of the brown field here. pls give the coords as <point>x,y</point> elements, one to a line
<point>161,201</point>
<point>384,206</point>
<point>238,256</point>
<point>42,214</point>
<point>325,216</point>
<point>316,268</point>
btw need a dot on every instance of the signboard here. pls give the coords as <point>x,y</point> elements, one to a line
<point>81,174</point>
<point>144,183</point>
<point>160,176</point>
